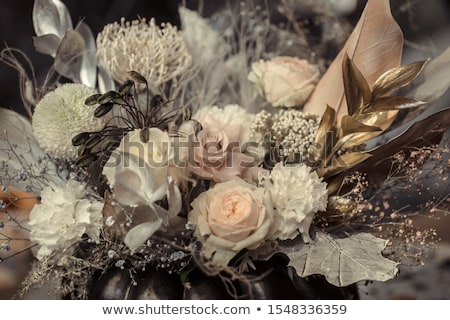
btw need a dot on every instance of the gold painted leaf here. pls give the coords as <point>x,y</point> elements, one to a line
<point>355,132</point>
<point>396,78</point>
<point>393,103</point>
<point>374,46</point>
<point>323,141</point>
<point>355,86</point>
<point>381,119</point>
<point>350,125</point>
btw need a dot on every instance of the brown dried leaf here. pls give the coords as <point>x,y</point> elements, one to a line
<point>374,46</point>
<point>396,78</point>
<point>355,86</point>
<point>393,103</point>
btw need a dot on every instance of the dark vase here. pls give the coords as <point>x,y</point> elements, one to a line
<point>271,280</point>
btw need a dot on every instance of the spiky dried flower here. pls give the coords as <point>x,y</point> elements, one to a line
<point>158,53</point>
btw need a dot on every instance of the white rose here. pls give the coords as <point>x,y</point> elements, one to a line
<point>297,194</point>
<point>137,171</point>
<point>284,81</point>
<point>229,217</point>
<point>63,216</point>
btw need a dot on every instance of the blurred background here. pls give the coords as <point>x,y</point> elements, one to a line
<point>426,28</point>
<point>425,23</point>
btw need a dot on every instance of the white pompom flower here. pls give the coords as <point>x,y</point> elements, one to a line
<point>297,194</point>
<point>60,115</point>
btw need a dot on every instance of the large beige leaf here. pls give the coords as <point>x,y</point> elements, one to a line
<point>344,261</point>
<point>374,46</point>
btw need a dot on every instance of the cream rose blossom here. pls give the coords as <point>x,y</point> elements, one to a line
<point>138,173</point>
<point>284,81</point>
<point>229,217</point>
<point>138,170</point>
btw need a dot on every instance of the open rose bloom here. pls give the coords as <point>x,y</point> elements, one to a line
<point>231,216</point>
<point>284,81</point>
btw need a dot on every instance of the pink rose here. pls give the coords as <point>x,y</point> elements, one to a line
<point>229,217</point>
<point>284,81</point>
<point>215,159</point>
<point>221,153</point>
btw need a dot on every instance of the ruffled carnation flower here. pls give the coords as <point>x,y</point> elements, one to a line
<point>284,81</point>
<point>60,115</point>
<point>159,54</point>
<point>229,217</point>
<point>297,194</point>
<point>63,217</point>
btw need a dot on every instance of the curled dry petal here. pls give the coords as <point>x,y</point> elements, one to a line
<point>51,17</point>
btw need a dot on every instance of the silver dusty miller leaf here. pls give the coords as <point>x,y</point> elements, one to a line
<point>344,261</point>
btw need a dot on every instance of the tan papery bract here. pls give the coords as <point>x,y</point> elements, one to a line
<point>374,46</point>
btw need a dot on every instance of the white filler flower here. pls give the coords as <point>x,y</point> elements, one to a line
<point>63,216</point>
<point>297,194</point>
<point>60,115</point>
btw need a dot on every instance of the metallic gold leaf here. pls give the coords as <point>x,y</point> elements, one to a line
<point>396,78</point>
<point>355,86</point>
<point>350,125</point>
<point>323,143</point>
<point>393,103</point>
<point>381,119</point>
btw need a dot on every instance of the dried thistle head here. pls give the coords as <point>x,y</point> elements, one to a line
<point>159,53</point>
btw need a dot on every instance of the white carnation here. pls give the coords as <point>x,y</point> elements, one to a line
<point>63,216</point>
<point>297,194</point>
<point>60,115</point>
